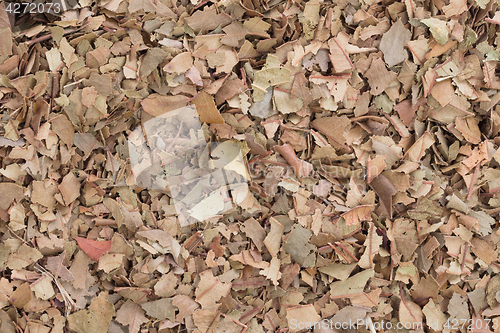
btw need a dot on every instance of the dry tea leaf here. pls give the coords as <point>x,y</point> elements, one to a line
<point>438,29</point>
<point>372,246</point>
<point>160,309</point>
<point>210,290</point>
<point>21,296</point>
<point>205,106</point>
<point>94,249</point>
<point>302,316</point>
<point>24,256</point>
<point>180,63</point>
<point>360,213</point>
<point>352,286</point>
<point>70,188</point>
<point>410,313</point>
<point>379,77</point>
<point>298,247</point>
<point>273,271</point>
<point>273,238</point>
<point>8,193</point>
<point>132,315</point>
<point>96,318</point>
<point>270,75</point>
<point>434,317</point>
<point>393,42</point>
<point>108,262</point>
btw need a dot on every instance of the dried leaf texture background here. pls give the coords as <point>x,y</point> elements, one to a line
<point>369,140</point>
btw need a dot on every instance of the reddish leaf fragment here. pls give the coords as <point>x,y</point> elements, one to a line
<point>94,249</point>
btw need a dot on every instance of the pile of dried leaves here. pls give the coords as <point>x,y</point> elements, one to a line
<point>370,133</point>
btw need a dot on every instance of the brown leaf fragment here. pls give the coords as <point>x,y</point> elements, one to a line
<point>24,256</point>
<point>334,128</point>
<point>443,92</point>
<point>6,324</point>
<point>5,42</point>
<point>79,268</point>
<point>152,59</point>
<point>434,317</point>
<point>246,257</point>
<point>56,266</point>
<point>372,246</point>
<point>64,129</point>
<point>155,105</point>
<point>385,190</point>
<point>298,247</point>
<point>490,77</point>
<point>458,307</point>
<point>180,63</point>
<point>210,290</point>
<point>301,168</point>
<point>483,250</point>
<point>419,49</point>
<point>417,150</point>
<point>21,296</point>
<point>374,167</point>
<point>426,210</point>
<point>165,287</point>
<point>456,7</point>
<point>339,57</point>
<point>205,106</point>
<point>247,51</point>
<point>271,320</point>
<point>229,89</point>
<point>94,249</point>
<point>234,33</point>
<point>358,214</point>
<point>208,19</point>
<point>317,221</point>
<point>186,306</point>
<point>338,270</point>
<point>94,59</point>
<point>43,287</point>
<point>37,327</point>
<point>300,89</point>
<point>273,238</point>
<point>393,42</point>
<point>86,142</point>
<point>206,320</point>
<point>132,315</point>
<point>194,75</point>
<point>54,59</point>
<point>438,49</point>
<point>94,319</point>
<point>352,286</point>
<point>273,271</point>
<point>110,261</point>
<point>70,188</point>
<point>304,316</point>
<point>379,77</point>
<point>138,295</point>
<point>160,309</point>
<point>409,313</point>
<point>8,193</point>
<point>254,230</point>
<point>469,129</point>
